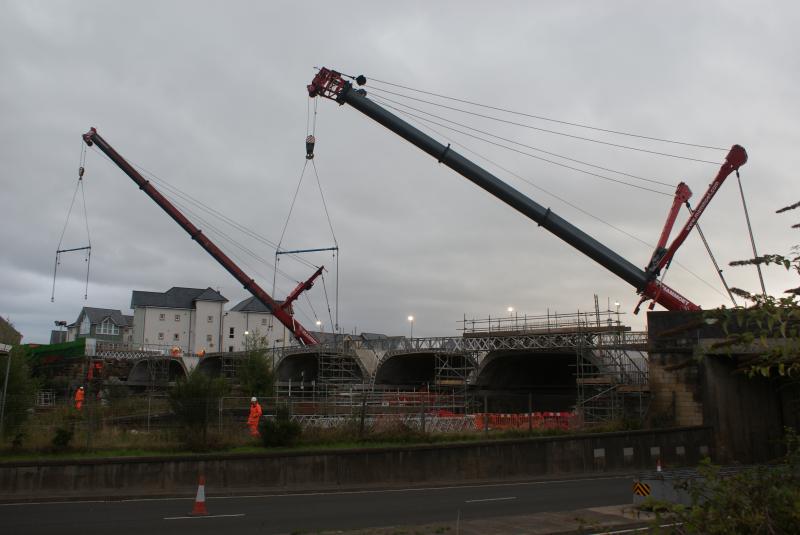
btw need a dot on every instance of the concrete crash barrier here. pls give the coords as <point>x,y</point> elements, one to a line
<point>672,486</point>
<point>497,460</point>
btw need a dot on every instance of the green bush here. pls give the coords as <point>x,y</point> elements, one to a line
<point>62,438</point>
<point>280,431</point>
<point>761,499</point>
<point>21,393</point>
<point>194,401</point>
<point>255,372</point>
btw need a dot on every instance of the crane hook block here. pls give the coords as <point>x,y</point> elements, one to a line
<point>310,147</point>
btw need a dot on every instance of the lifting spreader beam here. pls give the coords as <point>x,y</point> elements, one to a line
<point>93,138</point>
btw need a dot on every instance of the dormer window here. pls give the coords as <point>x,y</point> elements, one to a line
<point>107,327</point>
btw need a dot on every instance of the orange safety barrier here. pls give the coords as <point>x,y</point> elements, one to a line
<point>535,420</point>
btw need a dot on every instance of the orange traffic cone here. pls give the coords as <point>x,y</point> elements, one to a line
<point>200,501</point>
<point>658,465</point>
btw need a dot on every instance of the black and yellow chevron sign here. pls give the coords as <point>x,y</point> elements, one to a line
<point>641,489</point>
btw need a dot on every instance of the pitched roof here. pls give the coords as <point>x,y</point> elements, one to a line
<point>253,304</point>
<point>8,334</point>
<point>175,297</point>
<point>97,315</point>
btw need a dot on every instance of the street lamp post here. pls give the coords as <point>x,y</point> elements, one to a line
<point>411,329</point>
<point>510,310</point>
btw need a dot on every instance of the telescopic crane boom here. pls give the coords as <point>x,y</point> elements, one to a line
<point>330,84</point>
<point>93,138</point>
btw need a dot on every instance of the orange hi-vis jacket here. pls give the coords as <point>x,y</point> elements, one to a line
<point>79,395</point>
<point>255,414</point>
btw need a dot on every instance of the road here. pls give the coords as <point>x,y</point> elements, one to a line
<point>276,514</point>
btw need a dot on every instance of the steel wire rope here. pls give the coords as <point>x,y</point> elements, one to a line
<point>568,203</point>
<point>335,324</point>
<point>291,208</point>
<point>603,177</point>
<point>275,269</point>
<point>88,236</point>
<point>78,185</point>
<point>219,215</point>
<point>752,239</point>
<point>324,204</point>
<point>211,228</point>
<point>653,181</point>
<point>713,259</point>
<point>175,193</point>
<point>554,132</point>
<point>316,316</point>
<point>550,119</point>
<point>226,238</point>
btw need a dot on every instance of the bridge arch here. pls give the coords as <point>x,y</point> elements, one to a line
<point>407,369</point>
<point>509,377</point>
<point>142,371</point>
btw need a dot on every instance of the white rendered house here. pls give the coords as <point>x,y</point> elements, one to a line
<point>186,319</point>
<point>249,318</point>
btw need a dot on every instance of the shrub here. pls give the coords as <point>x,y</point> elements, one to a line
<point>761,499</point>
<point>280,431</point>
<point>62,438</point>
<point>194,400</point>
<point>20,397</point>
<point>255,372</point>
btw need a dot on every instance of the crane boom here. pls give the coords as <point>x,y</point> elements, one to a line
<point>736,158</point>
<point>330,84</point>
<point>93,138</point>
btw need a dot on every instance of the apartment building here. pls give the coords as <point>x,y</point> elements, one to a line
<point>251,317</point>
<point>188,319</point>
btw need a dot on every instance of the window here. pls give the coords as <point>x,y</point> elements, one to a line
<point>230,333</point>
<point>160,336</point>
<point>162,317</point>
<point>211,319</point>
<point>107,327</point>
<point>230,349</point>
<point>209,338</point>
<point>85,327</point>
<point>177,317</point>
<point>176,337</point>
<point>263,321</point>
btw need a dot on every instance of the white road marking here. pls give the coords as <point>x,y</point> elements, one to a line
<point>203,516</point>
<point>491,499</point>
<point>301,494</point>
<point>634,530</point>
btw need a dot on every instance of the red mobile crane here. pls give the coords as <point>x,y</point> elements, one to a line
<point>281,312</point>
<point>330,84</point>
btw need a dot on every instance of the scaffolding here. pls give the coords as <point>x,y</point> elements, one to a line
<point>230,366</point>
<point>338,368</point>
<point>611,378</point>
<point>158,371</point>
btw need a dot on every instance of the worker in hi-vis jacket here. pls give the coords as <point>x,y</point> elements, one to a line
<point>79,396</point>
<point>254,417</point>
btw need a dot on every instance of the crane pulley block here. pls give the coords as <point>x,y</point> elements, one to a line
<point>310,141</point>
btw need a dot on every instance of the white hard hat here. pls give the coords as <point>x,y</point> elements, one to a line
<point>253,400</point>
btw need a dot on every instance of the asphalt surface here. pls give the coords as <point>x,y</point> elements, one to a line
<point>320,512</point>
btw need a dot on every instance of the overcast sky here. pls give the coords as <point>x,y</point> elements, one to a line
<point>210,96</point>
